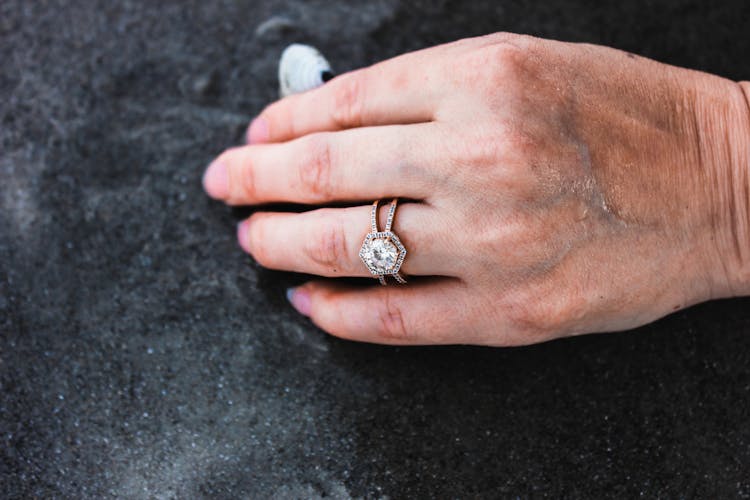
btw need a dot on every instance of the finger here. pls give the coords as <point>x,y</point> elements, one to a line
<point>429,311</point>
<point>353,165</point>
<point>327,241</point>
<point>401,90</point>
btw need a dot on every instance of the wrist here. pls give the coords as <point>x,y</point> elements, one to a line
<point>742,183</point>
<point>725,148</point>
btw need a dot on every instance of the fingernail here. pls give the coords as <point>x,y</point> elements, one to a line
<point>300,299</point>
<point>243,235</point>
<point>216,180</point>
<point>257,132</point>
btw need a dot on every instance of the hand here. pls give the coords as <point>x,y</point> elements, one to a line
<point>556,189</point>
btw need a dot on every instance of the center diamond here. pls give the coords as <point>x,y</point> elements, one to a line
<point>381,254</point>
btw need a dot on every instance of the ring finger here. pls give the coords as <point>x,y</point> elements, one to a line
<point>326,241</point>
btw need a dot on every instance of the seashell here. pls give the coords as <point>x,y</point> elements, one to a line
<point>302,68</point>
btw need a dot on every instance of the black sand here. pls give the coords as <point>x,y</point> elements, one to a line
<point>142,355</point>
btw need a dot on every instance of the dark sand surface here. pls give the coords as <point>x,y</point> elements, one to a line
<point>142,355</point>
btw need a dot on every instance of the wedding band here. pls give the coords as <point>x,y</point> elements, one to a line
<point>382,251</point>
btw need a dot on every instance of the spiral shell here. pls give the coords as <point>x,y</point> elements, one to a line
<point>302,68</point>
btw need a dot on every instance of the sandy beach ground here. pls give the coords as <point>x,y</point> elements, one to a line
<point>143,355</point>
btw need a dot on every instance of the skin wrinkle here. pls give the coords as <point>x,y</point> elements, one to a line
<point>693,172</point>
<point>621,167</point>
<point>688,180</point>
<point>717,140</point>
<point>742,187</point>
<point>734,205</point>
<point>744,170</point>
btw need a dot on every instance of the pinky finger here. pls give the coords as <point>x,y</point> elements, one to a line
<point>426,311</point>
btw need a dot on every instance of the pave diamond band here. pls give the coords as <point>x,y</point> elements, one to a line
<point>382,251</point>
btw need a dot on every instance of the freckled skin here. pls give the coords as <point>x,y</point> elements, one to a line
<point>560,189</point>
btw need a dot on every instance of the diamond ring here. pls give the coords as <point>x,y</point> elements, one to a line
<point>382,251</point>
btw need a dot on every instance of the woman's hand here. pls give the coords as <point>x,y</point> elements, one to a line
<point>557,189</point>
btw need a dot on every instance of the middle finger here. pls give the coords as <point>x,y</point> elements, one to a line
<point>350,165</point>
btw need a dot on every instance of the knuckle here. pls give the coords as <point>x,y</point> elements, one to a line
<point>280,119</point>
<point>258,244</point>
<point>487,149</point>
<point>556,315</point>
<point>492,65</point>
<point>240,176</point>
<point>328,250</point>
<point>519,40</point>
<point>490,239</point>
<point>248,189</point>
<point>348,100</point>
<point>503,60</point>
<point>391,324</point>
<point>496,153</point>
<point>545,318</point>
<point>315,170</point>
<point>498,37</point>
<point>482,148</point>
<point>528,318</point>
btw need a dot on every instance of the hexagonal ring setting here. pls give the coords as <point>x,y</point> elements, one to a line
<point>382,251</point>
